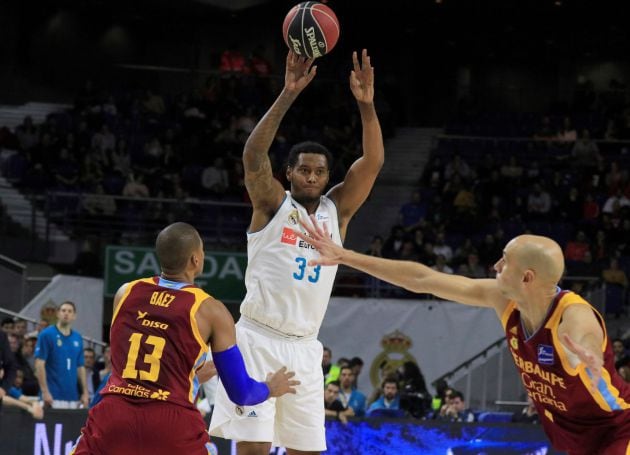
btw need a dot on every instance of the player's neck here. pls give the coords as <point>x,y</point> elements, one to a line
<point>64,329</point>
<point>535,310</point>
<point>183,277</point>
<point>309,204</point>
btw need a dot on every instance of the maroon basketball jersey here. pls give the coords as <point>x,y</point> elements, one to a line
<point>155,342</point>
<point>573,418</point>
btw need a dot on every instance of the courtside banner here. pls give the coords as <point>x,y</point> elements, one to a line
<point>223,275</point>
<point>56,434</point>
<point>386,333</point>
<point>60,429</point>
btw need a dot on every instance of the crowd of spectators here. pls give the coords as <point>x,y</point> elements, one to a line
<point>401,394</point>
<point>185,147</point>
<point>476,194</point>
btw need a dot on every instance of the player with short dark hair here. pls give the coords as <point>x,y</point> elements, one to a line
<point>286,300</point>
<point>159,334</point>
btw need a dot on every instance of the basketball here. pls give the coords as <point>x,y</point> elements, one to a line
<point>311,29</point>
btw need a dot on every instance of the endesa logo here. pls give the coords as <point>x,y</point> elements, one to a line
<point>288,236</point>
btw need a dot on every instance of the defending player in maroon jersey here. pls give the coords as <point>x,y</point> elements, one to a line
<point>159,335</point>
<point>153,325</point>
<point>558,341</point>
<point>561,393</point>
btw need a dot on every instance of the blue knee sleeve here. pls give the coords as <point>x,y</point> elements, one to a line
<point>240,387</point>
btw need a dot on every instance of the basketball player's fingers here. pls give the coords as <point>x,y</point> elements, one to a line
<point>300,235</point>
<point>355,61</point>
<point>370,71</point>
<point>307,227</point>
<point>365,58</point>
<point>316,226</point>
<point>292,58</point>
<point>326,233</point>
<point>354,80</point>
<point>311,73</point>
<point>307,224</point>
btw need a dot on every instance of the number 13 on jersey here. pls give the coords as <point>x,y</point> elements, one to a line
<point>152,359</point>
<point>299,275</point>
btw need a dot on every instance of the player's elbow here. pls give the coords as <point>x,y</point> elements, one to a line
<point>376,163</point>
<point>248,396</point>
<point>416,285</point>
<point>237,398</point>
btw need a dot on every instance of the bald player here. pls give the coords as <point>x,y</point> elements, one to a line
<point>558,341</point>
<point>159,336</point>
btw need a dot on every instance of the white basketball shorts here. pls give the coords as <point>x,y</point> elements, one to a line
<point>294,421</point>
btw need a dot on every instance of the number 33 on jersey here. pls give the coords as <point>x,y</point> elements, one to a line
<point>283,291</point>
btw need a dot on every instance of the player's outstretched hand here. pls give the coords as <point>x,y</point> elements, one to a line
<point>362,78</point>
<point>299,72</point>
<point>592,362</point>
<point>318,236</point>
<point>281,382</point>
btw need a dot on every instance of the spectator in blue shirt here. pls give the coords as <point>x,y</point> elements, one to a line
<point>349,396</point>
<point>389,402</point>
<point>17,399</point>
<point>59,363</point>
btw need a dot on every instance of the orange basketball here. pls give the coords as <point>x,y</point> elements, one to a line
<point>311,29</point>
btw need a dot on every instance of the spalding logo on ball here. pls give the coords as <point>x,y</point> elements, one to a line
<point>311,29</point>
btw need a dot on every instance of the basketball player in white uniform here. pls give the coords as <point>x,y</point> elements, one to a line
<point>286,299</point>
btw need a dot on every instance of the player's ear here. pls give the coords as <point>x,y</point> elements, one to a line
<point>288,174</point>
<point>528,276</point>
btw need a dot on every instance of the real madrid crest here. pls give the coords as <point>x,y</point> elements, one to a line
<point>294,217</point>
<point>394,355</point>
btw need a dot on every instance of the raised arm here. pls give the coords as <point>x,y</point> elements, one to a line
<point>350,194</point>
<point>265,192</point>
<point>412,276</point>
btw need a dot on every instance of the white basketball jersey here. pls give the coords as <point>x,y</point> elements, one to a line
<point>283,291</point>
